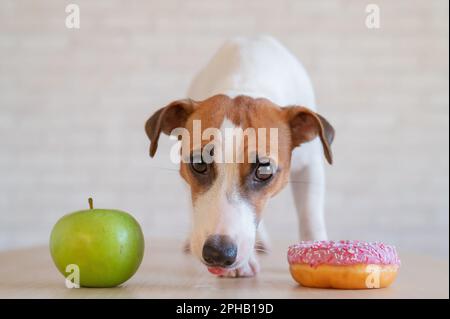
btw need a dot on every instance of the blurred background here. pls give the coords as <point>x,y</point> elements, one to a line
<point>73,103</point>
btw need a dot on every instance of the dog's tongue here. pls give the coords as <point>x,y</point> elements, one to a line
<point>216,270</point>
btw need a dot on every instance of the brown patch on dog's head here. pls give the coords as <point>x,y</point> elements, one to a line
<point>167,119</point>
<point>306,125</point>
<point>296,125</point>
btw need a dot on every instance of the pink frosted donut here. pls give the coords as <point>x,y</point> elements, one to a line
<point>345,264</point>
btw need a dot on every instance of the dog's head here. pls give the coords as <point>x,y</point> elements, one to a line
<point>241,159</point>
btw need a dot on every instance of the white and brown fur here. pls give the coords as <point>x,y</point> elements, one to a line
<point>252,82</point>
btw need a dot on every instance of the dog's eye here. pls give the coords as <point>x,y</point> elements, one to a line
<point>264,171</point>
<point>199,166</point>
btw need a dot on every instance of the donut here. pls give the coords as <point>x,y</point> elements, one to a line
<point>344,264</point>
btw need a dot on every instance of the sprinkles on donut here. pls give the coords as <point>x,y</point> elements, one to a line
<point>344,264</point>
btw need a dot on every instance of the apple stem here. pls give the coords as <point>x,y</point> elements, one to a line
<point>91,203</point>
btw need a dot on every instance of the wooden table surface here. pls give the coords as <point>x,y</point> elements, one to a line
<point>166,272</point>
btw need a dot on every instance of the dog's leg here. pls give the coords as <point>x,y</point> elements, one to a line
<point>308,188</point>
<point>187,246</point>
<point>262,239</point>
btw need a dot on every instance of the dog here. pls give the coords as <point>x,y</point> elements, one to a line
<point>251,82</point>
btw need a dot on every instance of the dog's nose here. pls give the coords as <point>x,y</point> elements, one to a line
<point>219,251</point>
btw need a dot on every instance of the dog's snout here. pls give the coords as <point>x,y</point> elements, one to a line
<point>219,250</point>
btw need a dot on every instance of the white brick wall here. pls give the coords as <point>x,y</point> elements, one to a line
<point>73,104</point>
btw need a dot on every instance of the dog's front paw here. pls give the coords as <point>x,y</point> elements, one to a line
<point>262,247</point>
<point>187,247</point>
<point>248,269</point>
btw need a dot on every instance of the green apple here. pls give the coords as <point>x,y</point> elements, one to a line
<point>107,245</point>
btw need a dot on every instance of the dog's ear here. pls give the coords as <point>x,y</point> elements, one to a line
<point>306,125</point>
<point>166,119</point>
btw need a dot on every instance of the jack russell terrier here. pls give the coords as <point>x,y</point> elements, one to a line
<point>251,83</point>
